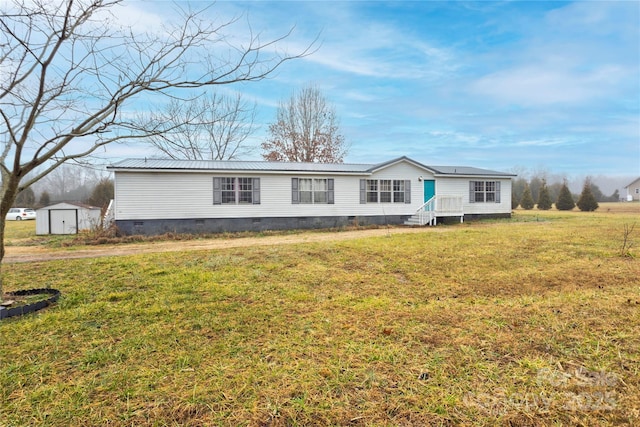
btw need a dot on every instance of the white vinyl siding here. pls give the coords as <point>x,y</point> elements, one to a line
<point>454,186</point>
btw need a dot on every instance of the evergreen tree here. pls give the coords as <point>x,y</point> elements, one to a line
<point>554,190</point>
<point>598,195</point>
<point>587,201</point>
<point>514,200</point>
<point>527,201</point>
<point>535,183</point>
<point>544,199</point>
<point>517,189</point>
<point>45,199</point>
<point>615,197</point>
<point>102,193</point>
<point>565,200</point>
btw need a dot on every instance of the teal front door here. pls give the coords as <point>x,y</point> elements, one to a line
<point>429,189</point>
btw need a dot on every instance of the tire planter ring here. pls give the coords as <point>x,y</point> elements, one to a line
<point>30,308</point>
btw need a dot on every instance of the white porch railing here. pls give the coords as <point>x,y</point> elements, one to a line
<point>450,206</point>
<point>109,216</point>
<point>439,206</point>
<point>427,213</point>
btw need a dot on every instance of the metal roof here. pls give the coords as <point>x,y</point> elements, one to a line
<point>262,166</point>
<point>466,170</point>
<point>232,165</point>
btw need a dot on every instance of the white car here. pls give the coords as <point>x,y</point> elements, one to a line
<point>18,214</point>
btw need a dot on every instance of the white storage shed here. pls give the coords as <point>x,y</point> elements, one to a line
<point>66,218</point>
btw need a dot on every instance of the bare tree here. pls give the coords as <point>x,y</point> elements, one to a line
<point>306,130</point>
<point>211,127</point>
<point>69,73</point>
<point>70,181</point>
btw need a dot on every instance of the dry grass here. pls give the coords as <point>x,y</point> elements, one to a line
<point>523,322</point>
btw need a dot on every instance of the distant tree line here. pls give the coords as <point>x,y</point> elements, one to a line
<point>69,183</point>
<point>537,193</point>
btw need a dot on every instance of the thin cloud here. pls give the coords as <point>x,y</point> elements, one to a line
<point>544,85</point>
<point>545,142</point>
<point>488,84</point>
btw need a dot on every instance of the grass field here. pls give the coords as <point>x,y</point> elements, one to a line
<point>522,322</point>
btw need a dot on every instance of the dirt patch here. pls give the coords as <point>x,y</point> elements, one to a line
<point>38,253</point>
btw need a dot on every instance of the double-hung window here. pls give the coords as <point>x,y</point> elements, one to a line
<point>312,191</point>
<point>228,190</point>
<point>236,191</point>
<point>320,191</point>
<point>306,190</point>
<point>398,191</point>
<point>372,191</point>
<point>385,191</point>
<point>484,191</point>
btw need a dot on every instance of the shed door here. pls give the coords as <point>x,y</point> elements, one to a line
<point>63,221</point>
<point>429,189</point>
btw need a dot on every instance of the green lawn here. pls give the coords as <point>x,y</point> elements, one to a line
<point>528,321</point>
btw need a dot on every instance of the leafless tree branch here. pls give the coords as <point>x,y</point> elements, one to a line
<point>70,77</point>
<point>306,130</point>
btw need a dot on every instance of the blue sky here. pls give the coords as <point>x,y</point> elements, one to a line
<point>551,86</point>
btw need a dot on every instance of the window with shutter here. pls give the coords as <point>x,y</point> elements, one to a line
<point>312,191</point>
<point>230,190</point>
<point>484,191</point>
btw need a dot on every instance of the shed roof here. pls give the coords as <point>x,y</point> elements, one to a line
<point>67,205</point>
<point>263,166</point>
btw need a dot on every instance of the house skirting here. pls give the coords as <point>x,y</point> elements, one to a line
<point>470,217</point>
<point>232,225</point>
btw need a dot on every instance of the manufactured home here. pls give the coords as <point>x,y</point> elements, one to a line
<point>633,190</point>
<point>189,196</point>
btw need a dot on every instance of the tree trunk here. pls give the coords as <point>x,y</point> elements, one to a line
<point>2,222</point>
<point>8,196</point>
